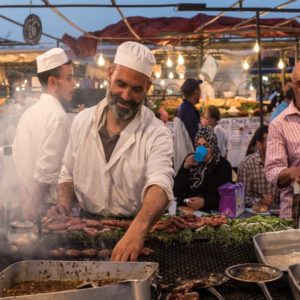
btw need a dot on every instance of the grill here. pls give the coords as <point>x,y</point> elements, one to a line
<point>181,261</point>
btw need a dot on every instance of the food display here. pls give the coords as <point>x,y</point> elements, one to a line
<point>229,107</point>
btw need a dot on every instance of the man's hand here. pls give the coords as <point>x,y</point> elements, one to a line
<point>195,203</point>
<point>128,248</point>
<point>267,199</point>
<point>190,162</point>
<point>57,210</point>
<point>288,176</point>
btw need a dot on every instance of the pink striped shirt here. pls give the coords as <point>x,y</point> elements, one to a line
<point>283,151</point>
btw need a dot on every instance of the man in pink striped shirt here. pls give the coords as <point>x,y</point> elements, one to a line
<point>282,164</point>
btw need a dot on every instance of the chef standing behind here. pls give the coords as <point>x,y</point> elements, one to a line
<point>118,160</point>
<point>43,131</point>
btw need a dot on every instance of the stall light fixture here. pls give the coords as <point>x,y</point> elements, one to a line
<point>169,62</point>
<point>280,64</point>
<point>162,82</point>
<point>105,82</point>
<point>25,81</point>
<point>245,65</point>
<point>171,75</point>
<point>256,47</point>
<point>181,76</point>
<point>157,75</point>
<point>265,78</point>
<point>101,86</point>
<point>100,60</point>
<point>17,89</point>
<point>77,84</point>
<point>251,88</point>
<point>180,59</point>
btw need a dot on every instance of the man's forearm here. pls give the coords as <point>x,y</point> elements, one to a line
<point>155,202</point>
<point>65,195</point>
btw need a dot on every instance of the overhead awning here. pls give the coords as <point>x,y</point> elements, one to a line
<point>176,30</point>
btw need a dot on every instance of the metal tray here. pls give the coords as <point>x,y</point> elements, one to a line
<point>278,249</point>
<point>294,280</point>
<point>43,270</point>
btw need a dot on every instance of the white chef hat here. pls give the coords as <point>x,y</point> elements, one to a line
<point>51,59</point>
<point>135,56</point>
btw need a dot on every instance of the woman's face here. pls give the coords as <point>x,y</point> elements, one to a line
<point>203,142</point>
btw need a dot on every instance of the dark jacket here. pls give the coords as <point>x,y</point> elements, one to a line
<point>215,176</point>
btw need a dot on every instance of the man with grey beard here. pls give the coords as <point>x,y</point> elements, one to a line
<point>118,161</point>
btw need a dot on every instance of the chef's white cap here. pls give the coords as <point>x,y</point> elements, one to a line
<point>135,56</point>
<point>51,59</point>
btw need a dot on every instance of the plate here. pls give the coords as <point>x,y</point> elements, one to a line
<point>250,210</point>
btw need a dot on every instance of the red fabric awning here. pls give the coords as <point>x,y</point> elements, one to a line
<point>163,31</point>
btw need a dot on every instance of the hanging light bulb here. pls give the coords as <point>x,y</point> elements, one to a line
<point>100,60</point>
<point>101,86</point>
<point>256,47</point>
<point>245,65</point>
<point>162,82</point>
<point>157,75</point>
<point>280,64</point>
<point>171,75</point>
<point>105,82</point>
<point>181,76</point>
<point>169,62</point>
<point>180,59</point>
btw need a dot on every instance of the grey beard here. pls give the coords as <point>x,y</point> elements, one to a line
<point>121,114</point>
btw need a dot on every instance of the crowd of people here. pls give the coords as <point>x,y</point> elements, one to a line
<point>119,159</point>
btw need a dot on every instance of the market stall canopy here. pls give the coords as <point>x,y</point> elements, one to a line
<point>176,30</point>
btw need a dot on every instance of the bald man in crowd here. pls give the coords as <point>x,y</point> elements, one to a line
<point>282,165</point>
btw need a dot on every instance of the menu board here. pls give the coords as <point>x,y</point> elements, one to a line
<point>239,132</point>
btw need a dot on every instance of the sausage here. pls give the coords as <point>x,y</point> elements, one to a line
<point>76,227</point>
<point>90,253</point>
<point>56,226</point>
<point>90,231</point>
<point>93,223</point>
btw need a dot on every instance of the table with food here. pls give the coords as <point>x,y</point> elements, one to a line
<point>186,256</point>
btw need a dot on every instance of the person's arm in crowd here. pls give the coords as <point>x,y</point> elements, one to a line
<point>157,194</point>
<point>287,176</point>
<point>276,162</point>
<point>221,176</point>
<point>244,177</point>
<point>129,247</point>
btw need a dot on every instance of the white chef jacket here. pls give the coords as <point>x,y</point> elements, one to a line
<point>141,158</point>
<point>40,142</point>
<point>222,139</point>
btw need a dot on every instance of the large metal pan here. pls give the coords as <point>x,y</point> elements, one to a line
<point>238,272</point>
<point>294,280</point>
<point>139,289</point>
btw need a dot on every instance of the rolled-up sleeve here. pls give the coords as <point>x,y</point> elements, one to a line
<point>159,170</point>
<point>276,155</point>
<point>47,166</point>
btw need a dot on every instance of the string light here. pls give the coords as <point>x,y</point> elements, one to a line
<point>77,84</point>
<point>100,60</point>
<point>280,64</point>
<point>157,75</point>
<point>162,82</point>
<point>256,47</point>
<point>105,82</point>
<point>181,76</point>
<point>180,59</point>
<point>171,75</point>
<point>169,62</point>
<point>245,65</point>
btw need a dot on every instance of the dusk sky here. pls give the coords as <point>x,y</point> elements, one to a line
<point>92,19</point>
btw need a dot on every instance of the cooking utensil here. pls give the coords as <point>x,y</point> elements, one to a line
<point>278,249</point>
<point>236,272</point>
<point>208,282</point>
<point>294,280</point>
<point>88,271</point>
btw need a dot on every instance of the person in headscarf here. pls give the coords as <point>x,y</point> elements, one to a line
<point>196,184</point>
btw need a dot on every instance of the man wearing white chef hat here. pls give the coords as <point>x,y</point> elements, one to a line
<point>118,158</point>
<point>43,131</point>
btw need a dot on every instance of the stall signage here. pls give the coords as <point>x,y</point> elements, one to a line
<point>32,29</point>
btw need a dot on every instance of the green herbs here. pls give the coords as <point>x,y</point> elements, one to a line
<point>242,230</point>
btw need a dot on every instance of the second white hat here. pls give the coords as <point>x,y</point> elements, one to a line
<point>51,59</point>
